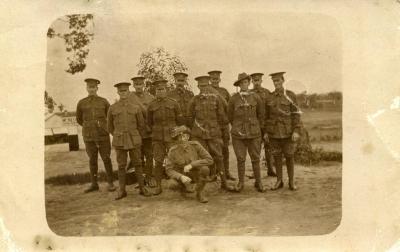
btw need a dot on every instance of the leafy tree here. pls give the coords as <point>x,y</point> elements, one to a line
<point>159,63</point>
<point>76,40</point>
<point>61,107</point>
<point>49,102</point>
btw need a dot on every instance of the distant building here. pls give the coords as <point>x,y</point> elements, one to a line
<point>61,127</point>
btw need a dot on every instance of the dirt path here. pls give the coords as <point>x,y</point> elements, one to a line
<point>314,209</point>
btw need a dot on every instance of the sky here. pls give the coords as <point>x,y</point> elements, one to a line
<point>306,46</point>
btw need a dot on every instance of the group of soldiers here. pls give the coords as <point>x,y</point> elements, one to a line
<point>188,135</point>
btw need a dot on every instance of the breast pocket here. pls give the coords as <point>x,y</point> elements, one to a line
<point>117,116</point>
<point>284,105</point>
<point>170,111</point>
<point>99,111</point>
<point>132,117</point>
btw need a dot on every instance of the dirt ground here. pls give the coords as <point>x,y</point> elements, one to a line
<point>314,209</point>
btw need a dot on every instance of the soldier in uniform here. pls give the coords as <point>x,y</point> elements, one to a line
<point>126,124</point>
<point>187,161</point>
<point>215,79</point>
<point>163,115</point>
<point>207,117</point>
<point>180,94</point>
<point>91,114</point>
<point>246,114</point>
<point>147,150</point>
<point>264,94</point>
<point>283,127</point>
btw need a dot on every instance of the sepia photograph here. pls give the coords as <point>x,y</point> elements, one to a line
<point>200,126</point>
<point>193,124</point>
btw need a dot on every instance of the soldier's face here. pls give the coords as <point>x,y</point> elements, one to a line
<point>139,87</point>
<point>161,92</point>
<point>244,84</point>
<point>278,82</point>
<point>215,81</point>
<point>123,93</point>
<point>203,87</point>
<point>92,89</point>
<point>184,137</point>
<point>256,82</point>
<point>180,82</point>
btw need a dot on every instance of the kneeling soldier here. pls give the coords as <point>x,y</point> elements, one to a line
<point>187,161</point>
<point>126,124</point>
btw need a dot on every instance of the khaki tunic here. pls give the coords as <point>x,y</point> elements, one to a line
<point>282,115</point>
<point>91,114</point>
<point>182,154</point>
<point>126,124</point>
<point>246,114</point>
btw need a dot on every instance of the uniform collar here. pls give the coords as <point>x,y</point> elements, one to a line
<point>139,94</point>
<point>279,92</point>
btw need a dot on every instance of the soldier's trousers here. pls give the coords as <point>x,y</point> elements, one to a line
<point>122,160</point>
<point>241,147</point>
<point>147,156</point>
<point>225,154</point>
<point>268,156</point>
<point>160,150</point>
<point>199,176</point>
<point>214,147</point>
<point>92,150</point>
<point>286,147</point>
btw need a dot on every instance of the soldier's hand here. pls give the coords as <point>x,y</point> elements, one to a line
<point>185,179</point>
<point>295,137</point>
<point>187,168</point>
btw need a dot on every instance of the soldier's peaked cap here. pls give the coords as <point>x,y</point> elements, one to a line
<point>178,130</point>
<point>204,79</point>
<point>92,80</point>
<point>277,74</point>
<point>256,74</point>
<point>215,73</point>
<point>180,74</point>
<point>241,76</point>
<point>122,84</point>
<point>138,79</point>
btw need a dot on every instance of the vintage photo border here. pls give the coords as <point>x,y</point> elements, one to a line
<point>370,219</point>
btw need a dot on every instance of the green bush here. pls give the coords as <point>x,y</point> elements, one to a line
<point>309,156</point>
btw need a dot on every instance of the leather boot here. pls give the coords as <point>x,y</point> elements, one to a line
<point>158,177</point>
<point>268,161</point>
<point>143,189</point>
<point>257,175</point>
<point>93,177</point>
<point>240,184</point>
<point>290,171</point>
<point>110,176</point>
<point>222,175</point>
<point>200,191</point>
<point>226,168</point>
<point>278,166</point>
<point>122,181</point>
<point>213,173</point>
